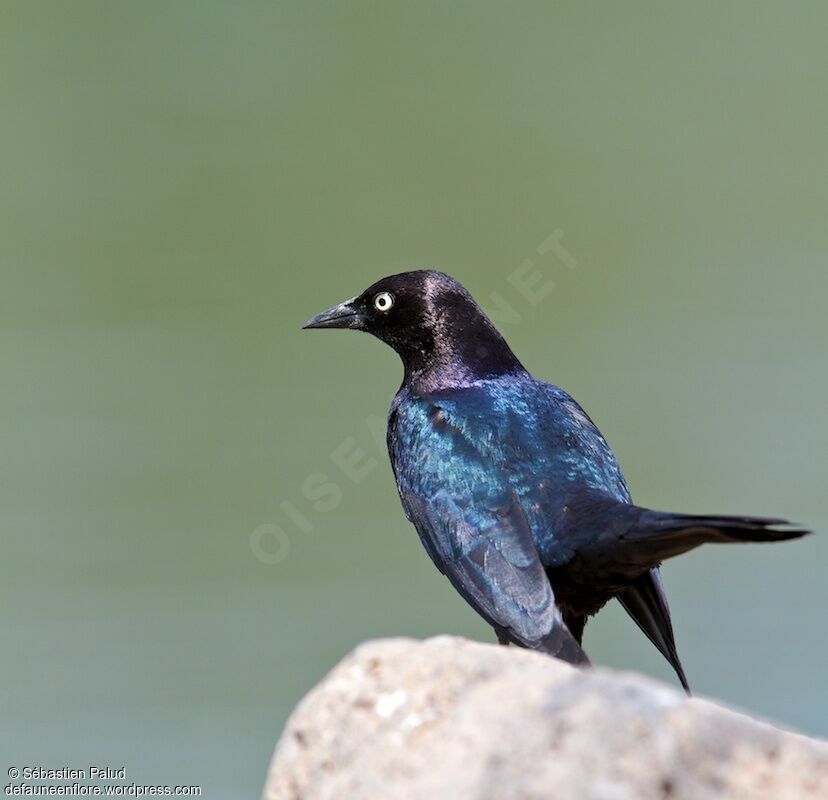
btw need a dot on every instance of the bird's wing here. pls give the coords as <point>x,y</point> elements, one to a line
<point>545,445</point>
<point>472,524</point>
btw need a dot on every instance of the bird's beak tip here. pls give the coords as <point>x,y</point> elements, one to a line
<point>344,315</point>
<point>314,322</point>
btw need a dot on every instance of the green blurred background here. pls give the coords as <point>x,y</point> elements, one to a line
<point>184,183</point>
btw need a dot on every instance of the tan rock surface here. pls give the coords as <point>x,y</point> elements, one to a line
<point>448,718</point>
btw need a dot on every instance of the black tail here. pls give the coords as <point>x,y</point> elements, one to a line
<point>617,548</point>
<point>644,600</point>
<point>657,535</point>
<point>623,540</point>
<point>614,539</point>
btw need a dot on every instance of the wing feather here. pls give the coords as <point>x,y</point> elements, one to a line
<point>471,522</point>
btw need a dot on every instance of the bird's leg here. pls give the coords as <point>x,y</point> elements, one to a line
<point>502,638</point>
<point>575,623</point>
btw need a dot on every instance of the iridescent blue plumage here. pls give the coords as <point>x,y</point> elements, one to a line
<point>516,496</point>
<point>462,489</point>
<point>530,434</point>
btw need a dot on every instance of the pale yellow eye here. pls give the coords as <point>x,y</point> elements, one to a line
<point>383,301</point>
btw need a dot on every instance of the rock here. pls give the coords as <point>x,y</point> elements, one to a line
<point>448,718</point>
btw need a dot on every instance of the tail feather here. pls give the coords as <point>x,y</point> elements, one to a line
<point>616,548</point>
<point>615,542</point>
<point>664,535</point>
<point>656,536</point>
<point>644,600</point>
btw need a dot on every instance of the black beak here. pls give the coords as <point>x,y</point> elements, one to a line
<point>345,315</point>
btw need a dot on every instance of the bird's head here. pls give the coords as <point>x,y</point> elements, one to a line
<point>434,324</point>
